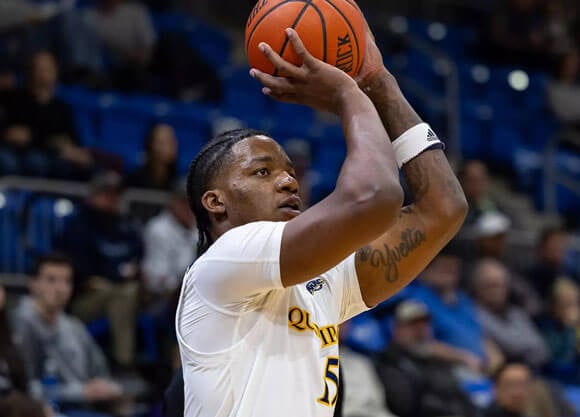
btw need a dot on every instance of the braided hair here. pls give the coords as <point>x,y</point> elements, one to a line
<point>203,170</point>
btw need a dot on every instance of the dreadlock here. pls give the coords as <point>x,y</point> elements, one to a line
<point>202,171</point>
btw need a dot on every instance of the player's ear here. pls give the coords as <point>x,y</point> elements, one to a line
<point>213,202</point>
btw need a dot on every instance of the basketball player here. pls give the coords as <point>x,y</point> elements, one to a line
<point>259,311</point>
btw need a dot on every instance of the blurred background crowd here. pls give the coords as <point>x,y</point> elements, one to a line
<point>103,103</point>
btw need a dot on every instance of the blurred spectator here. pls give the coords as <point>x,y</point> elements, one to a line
<point>39,135</point>
<point>19,405</point>
<point>13,375</point>
<point>560,328</point>
<point>417,372</point>
<point>518,34</point>
<point>300,153</point>
<point>453,313</point>
<point>549,266</point>
<point>126,30</point>
<point>564,91</point>
<point>365,395</point>
<point>513,388</point>
<point>106,248</point>
<point>159,170</point>
<point>505,324</point>
<point>475,180</point>
<point>490,234</point>
<point>53,25</point>
<point>181,72</point>
<point>59,351</point>
<point>559,27</point>
<point>170,241</point>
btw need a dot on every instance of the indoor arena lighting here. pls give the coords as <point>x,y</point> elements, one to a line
<point>2,201</point>
<point>437,31</point>
<point>480,74</point>
<point>519,80</point>
<point>399,25</point>
<point>63,207</point>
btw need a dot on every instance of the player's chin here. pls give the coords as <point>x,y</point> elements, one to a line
<point>288,213</point>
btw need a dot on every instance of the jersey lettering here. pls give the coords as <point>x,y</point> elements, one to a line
<point>300,321</point>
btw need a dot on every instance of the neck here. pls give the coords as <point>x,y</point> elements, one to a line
<point>43,94</point>
<point>48,315</point>
<point>159,171</point>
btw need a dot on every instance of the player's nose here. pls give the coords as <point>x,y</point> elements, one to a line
<point>287,182</point>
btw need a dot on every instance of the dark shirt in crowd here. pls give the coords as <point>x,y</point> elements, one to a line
<point>142,178</point>
<point>100,244</point>
<point>423,387</point>
<point>45,120</point>
<point>496,411</point>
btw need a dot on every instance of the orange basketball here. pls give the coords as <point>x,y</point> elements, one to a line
<point>333,31</point>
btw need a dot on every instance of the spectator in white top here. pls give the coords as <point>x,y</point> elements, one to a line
<point>170,242</point>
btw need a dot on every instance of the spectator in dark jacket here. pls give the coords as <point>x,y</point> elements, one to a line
<point>417,372</point>
<point>513,385</point>
<point>549,266</point>
<point>560,330</point>
<point>107,249</point>
<point>39,135</point>
<point>13,375</point>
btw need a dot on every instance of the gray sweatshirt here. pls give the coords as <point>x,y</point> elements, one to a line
<point>67,345</point>
<point>515,334</point>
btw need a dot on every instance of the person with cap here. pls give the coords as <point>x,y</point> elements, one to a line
<point>170,240</point>
<point>106,249</point>
<point>418,372</point>
<point>490,241</point>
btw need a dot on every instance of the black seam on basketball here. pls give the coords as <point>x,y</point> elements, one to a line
<point>266,14</point>
<point>285,43</point>
<point>353,33</point>
<point>351,3</point>
<point>323,22</point>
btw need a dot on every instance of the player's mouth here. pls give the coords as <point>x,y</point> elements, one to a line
<point>291,205</point>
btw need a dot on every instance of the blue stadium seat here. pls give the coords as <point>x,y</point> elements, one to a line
<point>85,106</point>
<point>363,334</point>
<point>11,256</point>
<point>211,43</point>
<point>47,218</point>
<point>124,124</point>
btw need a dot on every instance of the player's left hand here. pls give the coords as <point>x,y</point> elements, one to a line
<point>373,59</point>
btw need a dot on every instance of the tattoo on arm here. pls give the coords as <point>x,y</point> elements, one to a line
<point>388,258</point>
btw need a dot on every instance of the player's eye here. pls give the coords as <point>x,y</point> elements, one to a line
<point>262,172</point>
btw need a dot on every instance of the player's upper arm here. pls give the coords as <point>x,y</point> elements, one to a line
<point>328,232</point>
<point>392,261</point>
<point>241,264</point>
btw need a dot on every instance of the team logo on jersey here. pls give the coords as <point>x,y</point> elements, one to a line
<point>315,285</point>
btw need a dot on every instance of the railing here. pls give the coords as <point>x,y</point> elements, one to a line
<point>30,227</point>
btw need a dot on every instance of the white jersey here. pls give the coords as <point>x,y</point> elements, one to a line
<point>252,348</point>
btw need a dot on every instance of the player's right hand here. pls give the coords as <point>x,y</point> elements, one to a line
<point>315,83</point>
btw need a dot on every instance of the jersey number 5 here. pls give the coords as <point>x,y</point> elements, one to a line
<point>330,375</point>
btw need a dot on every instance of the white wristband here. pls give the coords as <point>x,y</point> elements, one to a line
<point>414,141</point>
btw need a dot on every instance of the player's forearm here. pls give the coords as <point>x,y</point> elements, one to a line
<point>395,112</point>
<point>435,191</point>
<point>370,167</point>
